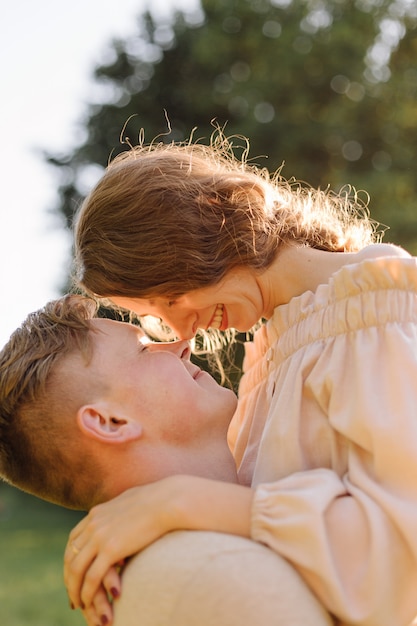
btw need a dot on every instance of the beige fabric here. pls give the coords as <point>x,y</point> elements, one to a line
<point>326,430</point>
<point>210,579</point>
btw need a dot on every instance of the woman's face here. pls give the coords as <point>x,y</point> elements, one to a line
<point>235,302</point>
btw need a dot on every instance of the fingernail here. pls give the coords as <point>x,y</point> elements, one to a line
<point>115,592</point>
<point>72,606</point>
<point>104,620</point>
<point>82,605</point>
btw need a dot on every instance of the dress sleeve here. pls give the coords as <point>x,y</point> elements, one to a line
<point>353,537</point>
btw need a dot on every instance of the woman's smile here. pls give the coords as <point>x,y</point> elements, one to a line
<point>217,319</point>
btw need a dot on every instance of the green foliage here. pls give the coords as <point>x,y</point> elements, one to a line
<point>33,535</point>
<point>326,87</point>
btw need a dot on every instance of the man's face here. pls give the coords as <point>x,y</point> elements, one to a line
<point>157,383</point>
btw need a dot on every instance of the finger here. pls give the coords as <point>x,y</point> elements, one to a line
<point>80,552</point>
<point>77,536</point>
<point>95,574</point>
<point>76,564</point>
<point>112,582</point>
<point>74,543</point>
<point>84,571</point>
<point>91,617</point>
<point>71,550</point>
<point>100,612</point>
<point>102,608</point>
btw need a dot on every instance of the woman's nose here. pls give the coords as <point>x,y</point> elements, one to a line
<point>183,327</point>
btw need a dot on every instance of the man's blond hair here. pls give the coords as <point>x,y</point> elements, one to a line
<point>39,450</point>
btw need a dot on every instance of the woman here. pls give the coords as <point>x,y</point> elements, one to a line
<point>325,435</point>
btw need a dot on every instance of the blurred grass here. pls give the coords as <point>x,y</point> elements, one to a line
<point>33,535</point>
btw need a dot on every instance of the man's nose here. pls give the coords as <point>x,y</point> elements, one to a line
<point>181,348</point>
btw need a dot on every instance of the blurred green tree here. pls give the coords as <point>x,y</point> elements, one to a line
<point>326,87</point>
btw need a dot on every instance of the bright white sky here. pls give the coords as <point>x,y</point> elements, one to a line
<point>48,50</point>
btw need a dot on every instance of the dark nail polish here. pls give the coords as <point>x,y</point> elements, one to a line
<point>104,620</point>
<point>115,592</point>
<point>72,606</point>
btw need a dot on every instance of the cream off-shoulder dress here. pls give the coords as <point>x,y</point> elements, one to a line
<point>326,434</point>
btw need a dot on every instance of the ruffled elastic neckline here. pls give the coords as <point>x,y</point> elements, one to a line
<point>354,297</point>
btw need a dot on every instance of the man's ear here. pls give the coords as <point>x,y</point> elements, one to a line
<point>99,422</point>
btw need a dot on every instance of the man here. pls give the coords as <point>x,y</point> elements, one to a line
<point>84,396</point>
<point>89,407</point>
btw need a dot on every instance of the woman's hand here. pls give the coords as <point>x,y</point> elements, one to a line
<point>111,532</point>
<point>125,525</point>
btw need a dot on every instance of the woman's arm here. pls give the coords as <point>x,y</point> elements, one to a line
<point>125,525</point>
<point>350,530</point>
